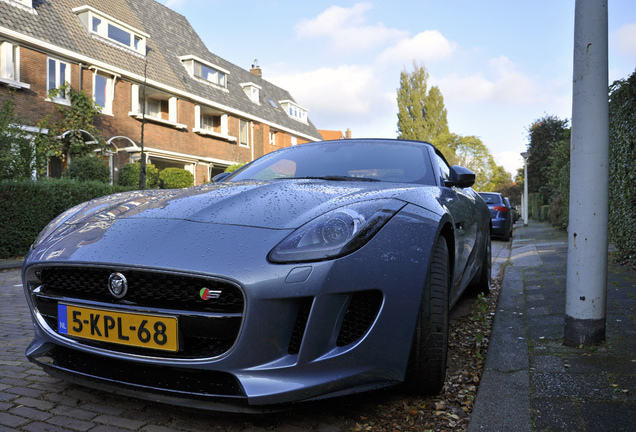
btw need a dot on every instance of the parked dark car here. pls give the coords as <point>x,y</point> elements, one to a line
<point>501,213</point>
<point>318,270</point>
<point>513,210</point>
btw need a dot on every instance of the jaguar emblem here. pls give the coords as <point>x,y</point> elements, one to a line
<point>117,285</point>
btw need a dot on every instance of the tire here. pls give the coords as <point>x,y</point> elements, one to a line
<point>485,277</point>
<point>506,237</point>
<point>427,363</point>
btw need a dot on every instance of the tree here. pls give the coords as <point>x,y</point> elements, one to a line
<point>543,135</point>
<point>470,152</point>
<point>77,118</point>
<point>17,151</point>
<point>421,112</point>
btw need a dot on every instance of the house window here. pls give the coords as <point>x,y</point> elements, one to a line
<point>294,111</point>
<point>252,91</point>
<point>244,133</point>
<point>209,74</point>
<point>206,71</point>
<point>58,73</point>
<point>294,141</point>
<point>8,61</point>
<point>104,26</point>
<point>103,91</point>
<point>156,108</point>
<point>272,137</point>
<point>119,35</point>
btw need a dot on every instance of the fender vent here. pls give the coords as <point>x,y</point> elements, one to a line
<point>299,327</point>
<point>363,309</point>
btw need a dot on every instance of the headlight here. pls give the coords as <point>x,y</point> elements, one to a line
<point>336,233</point>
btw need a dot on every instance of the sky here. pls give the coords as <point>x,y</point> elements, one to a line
<point>500,64</point>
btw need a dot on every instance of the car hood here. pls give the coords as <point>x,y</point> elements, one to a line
<point>278,204</point>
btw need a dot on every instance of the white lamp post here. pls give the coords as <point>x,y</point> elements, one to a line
<point>525,156</point>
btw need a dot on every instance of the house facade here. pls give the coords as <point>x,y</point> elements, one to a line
<point>144,63</point>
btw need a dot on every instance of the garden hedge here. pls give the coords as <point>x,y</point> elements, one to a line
<point>26,207</point>
<point>622,172</point>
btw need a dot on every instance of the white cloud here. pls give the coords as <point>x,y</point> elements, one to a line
<point>626,40</point>
<point>345,95</point>
<point>424,47</point>
<point>346,29</point>
<point>174,3</point>
<point>507,85</point>
<point>510,160</point>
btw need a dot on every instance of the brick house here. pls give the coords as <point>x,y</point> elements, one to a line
<point>202,112</point>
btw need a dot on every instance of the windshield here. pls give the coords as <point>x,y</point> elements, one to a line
<point>389,161</point>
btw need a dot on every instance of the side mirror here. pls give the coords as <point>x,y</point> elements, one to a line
<point>220,177</point>
<point>460,177</point>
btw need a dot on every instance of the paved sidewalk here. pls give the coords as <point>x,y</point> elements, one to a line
<point>532,382</point>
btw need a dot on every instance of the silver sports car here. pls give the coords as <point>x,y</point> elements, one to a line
<point>318,270</point>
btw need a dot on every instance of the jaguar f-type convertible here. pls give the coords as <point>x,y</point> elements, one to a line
<point>314,271</point>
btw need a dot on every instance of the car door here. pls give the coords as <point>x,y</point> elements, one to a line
<point>460,203</point>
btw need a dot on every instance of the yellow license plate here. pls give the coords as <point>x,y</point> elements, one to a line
<point>125,328</point>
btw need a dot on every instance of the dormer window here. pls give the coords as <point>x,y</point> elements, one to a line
<point>294,111</point>
<point>26,5</point>
<point>205,71</point>
<point>110,29</point>
<point>252,91</point>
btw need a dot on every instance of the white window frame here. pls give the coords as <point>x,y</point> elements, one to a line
<point>272,137</point>
<point>109,91</point>
<point>248,130</point>
<point>199,129</point>
<point>252,91</point>
<point>135,96</point>
<point>10,65</point>
<point>62,98</point>
<point>294,110</point>
<point>87,15</point>
<point>189,63</point>
<point>294,140</point>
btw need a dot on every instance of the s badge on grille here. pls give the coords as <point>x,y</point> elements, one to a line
<point>209,294</point>
<point>117,285</point>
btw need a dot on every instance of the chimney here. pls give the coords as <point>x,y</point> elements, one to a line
<point>256,70</point>
<point>348,134</point>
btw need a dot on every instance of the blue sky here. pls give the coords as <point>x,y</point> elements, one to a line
<point>500,64</point>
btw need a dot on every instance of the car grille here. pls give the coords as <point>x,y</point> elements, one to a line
<point>208,328</point>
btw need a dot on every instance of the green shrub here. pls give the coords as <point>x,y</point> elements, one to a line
<point>129,175</point>
<point>234,167</point>
<point>545,213</point>
<point>175,178</point>
<point>622,169</point>
<point>27,206</point>
<point>535,201</point>
<point>88,168</point>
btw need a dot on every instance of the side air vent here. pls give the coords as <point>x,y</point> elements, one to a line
<point>299,327</point>
<point>362,311</point>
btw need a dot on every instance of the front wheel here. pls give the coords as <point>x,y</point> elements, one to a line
<point>427,364</point>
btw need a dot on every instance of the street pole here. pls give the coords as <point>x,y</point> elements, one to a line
<point>525,156</point>
<point>585,309</point>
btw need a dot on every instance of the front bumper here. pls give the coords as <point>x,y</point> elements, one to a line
<point>307,331</point>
